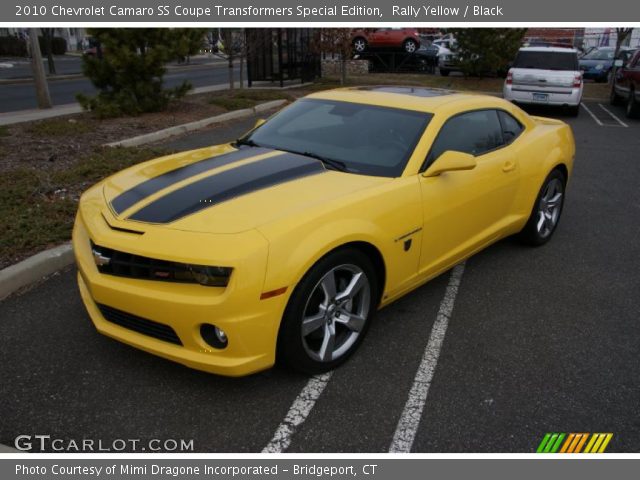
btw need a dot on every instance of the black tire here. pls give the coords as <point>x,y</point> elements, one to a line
<point>444,72</point>
<point>410,45</point>
<point>531,234</point>
<point>359,44</point>
<point>614,98</point>
<point>633,107</point>
<point>292,348</point>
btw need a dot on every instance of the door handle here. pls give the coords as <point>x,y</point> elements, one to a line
<point>509,166</point>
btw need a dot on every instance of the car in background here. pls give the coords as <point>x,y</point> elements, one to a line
<point>423,60</point>
<point>407,39</point>
<point>545,76</point>
<point>598,63</point>
<point>626,84</point>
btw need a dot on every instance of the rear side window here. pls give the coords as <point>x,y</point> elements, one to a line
<point>511,128</point>
<point>475,132</point>
<point>547,60</point>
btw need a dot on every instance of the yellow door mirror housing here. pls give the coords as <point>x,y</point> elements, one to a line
<point>451,161</point>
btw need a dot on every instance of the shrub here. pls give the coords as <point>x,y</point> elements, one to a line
<point>13,47</point>
<point>58,45</point>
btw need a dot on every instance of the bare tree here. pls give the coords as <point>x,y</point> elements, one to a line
<point>337,43</point>
<point>227,40</point>
<point>42,88</point>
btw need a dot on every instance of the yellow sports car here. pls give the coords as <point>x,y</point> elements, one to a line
<point>280,246</point>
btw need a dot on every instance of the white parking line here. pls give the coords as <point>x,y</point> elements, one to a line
<point>410,420</point>
<point>592,114</point>
<point>613,116</point>
<point>298,413</point>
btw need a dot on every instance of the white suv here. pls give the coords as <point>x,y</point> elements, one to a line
<point>545,76</point>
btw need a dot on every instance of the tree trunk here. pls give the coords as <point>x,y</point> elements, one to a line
<point>343,70</point>
<point>47,34</point>
<point>42,89</point>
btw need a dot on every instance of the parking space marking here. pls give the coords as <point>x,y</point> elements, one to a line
<point>298,413</point>
<point>592,114</point>
<point>613,116</point>
<point>409,421</point>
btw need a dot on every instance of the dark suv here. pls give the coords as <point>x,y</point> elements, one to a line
<point>626,84</point>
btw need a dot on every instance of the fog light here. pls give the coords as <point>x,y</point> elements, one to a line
<point>214,336</point>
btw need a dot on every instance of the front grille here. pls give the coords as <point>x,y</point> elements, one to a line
<point>123,264</point>
<point>139,324</point>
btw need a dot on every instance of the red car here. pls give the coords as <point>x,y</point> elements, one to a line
<point>405,38</point>
<point>626,85</point>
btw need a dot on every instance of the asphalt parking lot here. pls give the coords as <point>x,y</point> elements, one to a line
<point>539,340</point>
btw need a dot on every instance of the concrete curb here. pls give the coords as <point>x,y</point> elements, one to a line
<point>34,268</point>
<point>54,78</point>
<point>197,125</point>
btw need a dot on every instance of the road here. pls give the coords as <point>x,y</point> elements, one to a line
<point>21,96</point>
<point>539,340</point>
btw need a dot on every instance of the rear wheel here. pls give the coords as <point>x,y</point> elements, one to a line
<point>546,211</point>
<point>410,45</point>
<point>633,107</point>
<point>444,72</point>
<point>328,314</point>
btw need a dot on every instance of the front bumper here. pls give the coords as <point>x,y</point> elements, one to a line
<point>251,324</point>
<point>526,95</point>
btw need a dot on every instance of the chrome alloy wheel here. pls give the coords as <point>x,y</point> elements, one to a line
<point>336,312</point>
<point>550,207</point>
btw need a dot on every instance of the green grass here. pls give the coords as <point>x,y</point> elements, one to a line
<point>60,127</point>
<point>33,216</point>
<point>246,98</point>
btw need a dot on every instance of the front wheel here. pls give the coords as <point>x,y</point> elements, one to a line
<point>633,107</point>
<point>546,211</point>
<point>359,45</point>
<point>328,313</point>
<point>614,98</point>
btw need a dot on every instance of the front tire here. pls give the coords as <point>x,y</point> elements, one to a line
<point>546,212</point>
<point>359,45</point>
<point>614,98</point>
<point>328,313</point>
<point>633,107</point>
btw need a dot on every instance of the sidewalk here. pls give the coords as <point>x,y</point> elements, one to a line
<point>20,116</point>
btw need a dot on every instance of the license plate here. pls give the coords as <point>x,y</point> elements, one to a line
<point>541,97</point>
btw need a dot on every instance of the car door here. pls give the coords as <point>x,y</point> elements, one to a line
<point>465,210</point>
<point>379,37</point>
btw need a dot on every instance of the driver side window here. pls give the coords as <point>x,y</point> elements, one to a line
<point>474,132</point>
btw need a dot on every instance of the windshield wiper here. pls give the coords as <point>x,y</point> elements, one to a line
<point>335,164</point>
<point>245,141</point>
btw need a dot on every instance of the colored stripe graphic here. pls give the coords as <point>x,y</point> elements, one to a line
<point>218,188</point>
<point>573,443</point>
<point>141,191</point>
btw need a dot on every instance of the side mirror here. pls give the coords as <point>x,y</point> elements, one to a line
<point>451,161</point>
<point>619,63</point>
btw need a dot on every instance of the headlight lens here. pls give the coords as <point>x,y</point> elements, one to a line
<point>599,66</point>
<point>210,276</point>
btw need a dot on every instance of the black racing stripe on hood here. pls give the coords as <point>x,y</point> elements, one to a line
<point>141,191</point>
<point>223,186</point>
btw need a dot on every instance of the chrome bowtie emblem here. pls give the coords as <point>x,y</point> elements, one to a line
<point>99,258</point>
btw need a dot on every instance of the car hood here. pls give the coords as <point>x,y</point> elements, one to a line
<point>224,190</point>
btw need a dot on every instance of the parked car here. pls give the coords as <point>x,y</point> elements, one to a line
<point>407,39</point>
<point>447,59</point>
<point>545,76</point>
<point>597,63</point>
<point>424,59</point>
<point>626,84</point>
<point>283,244</point>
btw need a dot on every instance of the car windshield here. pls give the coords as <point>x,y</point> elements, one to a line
<point>364,139</point>
<point>546,60</point>
<point>599,55</point>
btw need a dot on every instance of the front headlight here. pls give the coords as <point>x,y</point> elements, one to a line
<point>599,66</point>
<point>210,276</point>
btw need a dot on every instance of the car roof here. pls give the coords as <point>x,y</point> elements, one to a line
<point>549,49</point>
<point>419,99</point>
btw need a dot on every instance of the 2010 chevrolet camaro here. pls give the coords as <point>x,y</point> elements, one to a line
<point>282,245</point>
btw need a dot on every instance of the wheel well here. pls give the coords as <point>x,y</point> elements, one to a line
<point>376,258</point>
<point>562,168</point>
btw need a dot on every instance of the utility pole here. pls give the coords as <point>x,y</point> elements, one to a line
<point>42,89</point>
